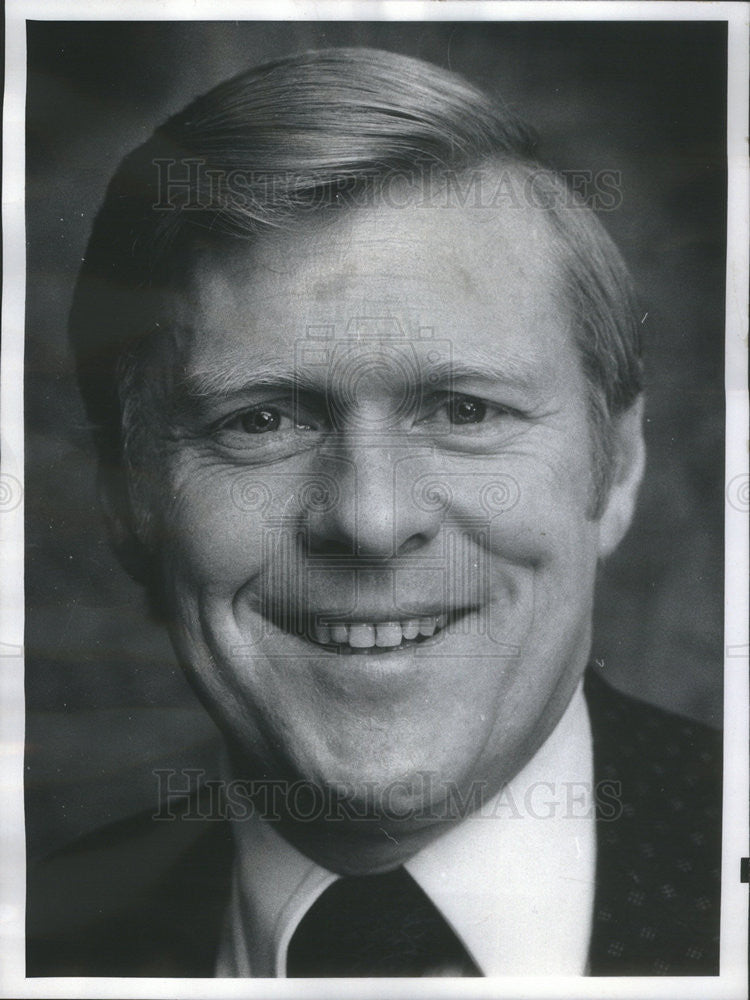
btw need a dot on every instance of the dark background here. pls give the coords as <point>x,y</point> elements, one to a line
<point>106,702</point>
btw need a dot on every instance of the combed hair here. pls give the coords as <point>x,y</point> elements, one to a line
<point>312,131</point>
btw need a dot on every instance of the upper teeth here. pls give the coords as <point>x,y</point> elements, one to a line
<point>361,635</point>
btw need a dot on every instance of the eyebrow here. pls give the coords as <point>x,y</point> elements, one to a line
<point>512,372</point>
<point>241,379</point>
<point>233,380</point>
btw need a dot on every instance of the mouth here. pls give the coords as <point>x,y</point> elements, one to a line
<point>372,637</point>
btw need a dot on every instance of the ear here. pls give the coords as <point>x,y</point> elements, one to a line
<point>629,459</point>
<point>114,501</point>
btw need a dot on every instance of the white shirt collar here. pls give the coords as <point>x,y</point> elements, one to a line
<point>515,880</point>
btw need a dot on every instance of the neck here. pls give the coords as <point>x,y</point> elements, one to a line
<point>360,847</point>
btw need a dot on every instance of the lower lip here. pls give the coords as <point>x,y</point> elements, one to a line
<point>410,661</point>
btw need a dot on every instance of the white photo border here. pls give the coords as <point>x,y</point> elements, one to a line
<point>731,983</point>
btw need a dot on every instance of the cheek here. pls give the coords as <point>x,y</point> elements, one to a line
<point>214,526</point>
<point>537,512</point>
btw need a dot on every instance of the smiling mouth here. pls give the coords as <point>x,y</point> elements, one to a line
<point>379,636</point>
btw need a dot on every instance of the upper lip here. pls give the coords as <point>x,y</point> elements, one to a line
<point>374,617</point>
<point>299,620</point>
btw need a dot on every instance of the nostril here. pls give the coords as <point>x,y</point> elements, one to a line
<point>412,544</point>
<point>322,546</point>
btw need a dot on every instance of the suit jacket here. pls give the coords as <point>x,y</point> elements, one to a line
<point>146,898</point>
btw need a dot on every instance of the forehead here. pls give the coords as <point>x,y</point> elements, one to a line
<point>478,282</point>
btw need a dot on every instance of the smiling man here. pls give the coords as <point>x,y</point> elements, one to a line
<point>366,386</point>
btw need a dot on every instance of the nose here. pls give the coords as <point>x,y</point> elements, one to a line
<point>374,514</point>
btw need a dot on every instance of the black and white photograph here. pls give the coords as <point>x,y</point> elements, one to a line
<point>374,500</point>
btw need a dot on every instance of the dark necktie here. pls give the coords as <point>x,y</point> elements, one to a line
<point>375,925</point>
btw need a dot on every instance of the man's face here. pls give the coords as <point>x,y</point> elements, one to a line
<point>374,476</point>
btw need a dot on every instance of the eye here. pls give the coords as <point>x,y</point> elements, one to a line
<point>263,420</point>
<point>455,411</point>
<point>466,410</point>
<point>259,421</point>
